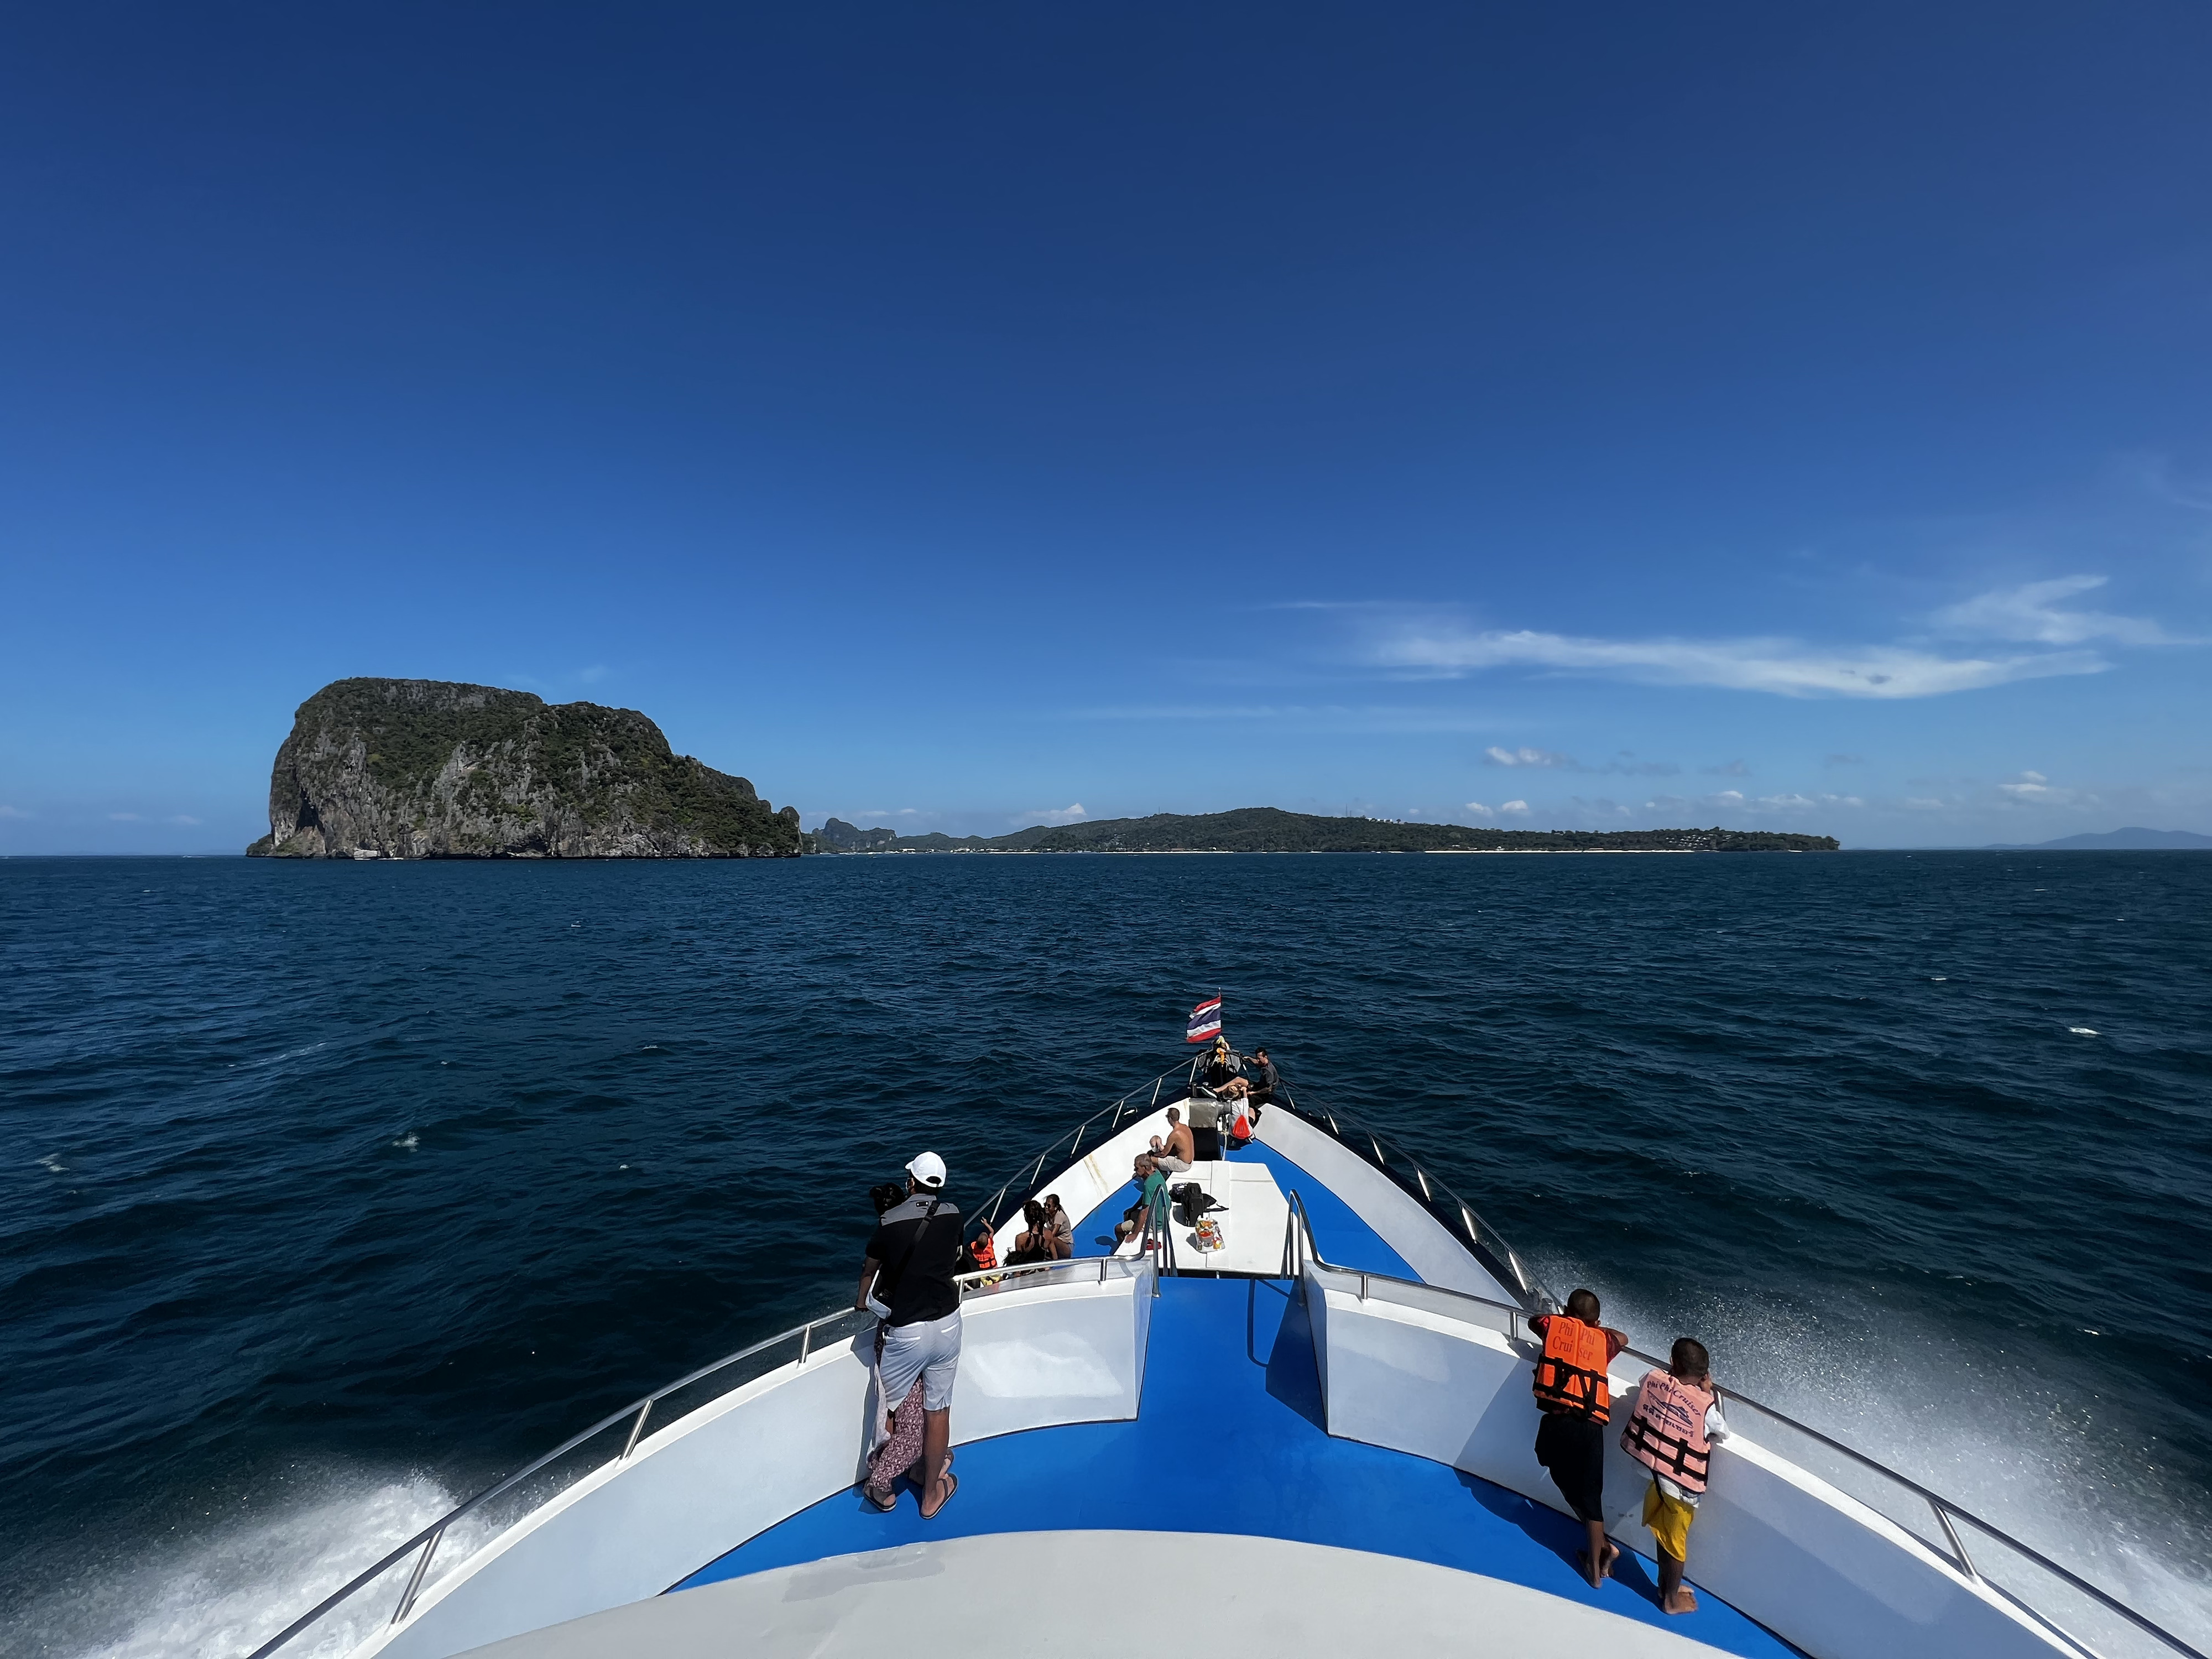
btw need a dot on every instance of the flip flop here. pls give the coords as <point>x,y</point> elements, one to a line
<point>881,1509</point>
<point>951,1491</point>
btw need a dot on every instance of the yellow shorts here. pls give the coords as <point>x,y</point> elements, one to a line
<point>1669,1520</point>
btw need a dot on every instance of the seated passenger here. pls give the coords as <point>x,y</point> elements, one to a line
<point>1059,1227</point>
<point>1034,1241</point>
<point>1221,1069</point>
<point>1152,1196</point>
<point>1265,1080</point>
<point>1178,1153</point>
<point>983,1251</point>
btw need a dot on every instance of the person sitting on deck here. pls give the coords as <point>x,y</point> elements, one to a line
<point>1672,1432</point>
<point>1260,1088</point>
<point>1152,1197</point>
<point>1061,1226</point>
<point>1221,1069</point>
<point>1034,1241</point>
<point>1573,1391</point>
<point>983,1251</point>
<point>1179,1152</point>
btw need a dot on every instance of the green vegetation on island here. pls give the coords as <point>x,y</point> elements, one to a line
<point>433,769</point>
<point>1270,830</point>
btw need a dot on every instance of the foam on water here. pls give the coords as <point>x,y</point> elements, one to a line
<point>226,1592</point>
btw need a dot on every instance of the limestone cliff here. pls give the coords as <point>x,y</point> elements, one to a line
<point>430,768</point>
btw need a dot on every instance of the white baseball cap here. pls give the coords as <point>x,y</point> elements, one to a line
<point>928,1171</point>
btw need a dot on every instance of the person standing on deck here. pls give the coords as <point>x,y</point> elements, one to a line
<point>909,1268</point>
<point>1573,1391</point>
<point>1672,1432</point>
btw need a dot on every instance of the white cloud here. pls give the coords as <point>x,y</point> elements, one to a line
<point>1480,809</point>
<point>2033,789</point>
<point>1924,804</point>
<point>1054,814</point>
<point>1518,808</point>
<point>183,817</point>
<point>1783,667</point>
<point>1495,756</point>
<point>12,813</point>
<point>2033,612</point>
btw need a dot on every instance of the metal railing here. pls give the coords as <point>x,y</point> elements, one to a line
<point>1454,1213</point>
<point>1073,1140</point>
<point>2002,1574</point>
<point>803,1343</point>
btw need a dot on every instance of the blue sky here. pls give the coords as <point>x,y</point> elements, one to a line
<point>957,417</point>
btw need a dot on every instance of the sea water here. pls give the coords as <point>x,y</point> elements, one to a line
<point>331,1191</point>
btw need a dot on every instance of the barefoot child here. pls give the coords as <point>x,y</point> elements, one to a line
<point>1671,1432</point>
<point>1571,1390</point>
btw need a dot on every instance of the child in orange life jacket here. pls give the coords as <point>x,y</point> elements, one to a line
<point>1671,1432</point>
<point>1573,1391</point>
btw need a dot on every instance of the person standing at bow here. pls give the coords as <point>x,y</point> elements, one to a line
<point>908,1269</point>
<point>1572,1392</point>
<point>1672,1432</point>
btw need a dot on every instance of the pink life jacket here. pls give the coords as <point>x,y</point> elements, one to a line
<point>1665,1432</point>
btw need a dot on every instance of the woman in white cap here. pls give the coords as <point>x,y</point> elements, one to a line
<point>909,1271</point>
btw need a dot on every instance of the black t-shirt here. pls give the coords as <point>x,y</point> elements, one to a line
<point>1266,1082</point>
<point>920,1287</point>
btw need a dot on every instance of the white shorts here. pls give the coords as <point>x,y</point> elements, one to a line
<point>1172,1166</point>
<point>928,1349</point>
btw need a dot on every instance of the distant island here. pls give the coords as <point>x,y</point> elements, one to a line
<point>2134,840</point>
<point>436,769</point>
<point>1270,830</point>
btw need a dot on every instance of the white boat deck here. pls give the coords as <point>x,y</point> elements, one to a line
<point>1253,1219</point>
<point>1103,1596</point>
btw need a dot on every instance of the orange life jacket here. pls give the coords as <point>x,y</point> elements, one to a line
<point>1665,1432</point>
<point>985,1250</point>
<point>1571,1376</point>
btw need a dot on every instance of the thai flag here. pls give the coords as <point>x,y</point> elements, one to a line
<point>1205,1021</point>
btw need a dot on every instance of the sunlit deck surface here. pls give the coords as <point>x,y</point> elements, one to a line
<point>1230,1439</point>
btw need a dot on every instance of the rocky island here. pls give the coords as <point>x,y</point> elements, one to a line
<point>433,769</point>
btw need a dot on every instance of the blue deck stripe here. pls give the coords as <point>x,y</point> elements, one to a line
<point>1237,1415</point>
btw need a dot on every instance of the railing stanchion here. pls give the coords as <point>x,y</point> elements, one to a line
<point>636,1430</point>
<point>1957,1547</point>
<point>806,1343</point>
<point>415,1578</point>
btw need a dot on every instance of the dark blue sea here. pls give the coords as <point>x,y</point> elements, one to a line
<point>333,1190</point>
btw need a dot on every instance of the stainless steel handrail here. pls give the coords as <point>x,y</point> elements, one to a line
<point>428,1540</point>
<point>1945,1512</point>
<point>988,1210</point>
<point>1429,1191</point>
